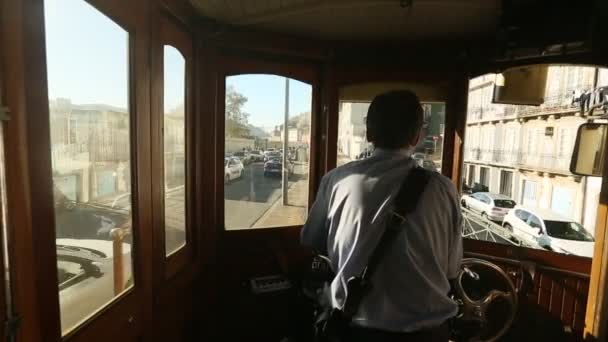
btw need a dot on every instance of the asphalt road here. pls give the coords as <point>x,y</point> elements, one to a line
<point>249,197</point>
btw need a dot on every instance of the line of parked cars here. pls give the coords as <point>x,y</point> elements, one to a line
<point>234,163</point>
<point>548,229</point>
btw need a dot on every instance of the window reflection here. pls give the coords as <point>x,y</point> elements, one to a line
<point>267,149</point>
<point>523,153</point>
<point>90,149</point>
<point>174,130</point>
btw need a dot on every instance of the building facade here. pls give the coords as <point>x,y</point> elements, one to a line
<point>351,129</point>
<point>524,152</point>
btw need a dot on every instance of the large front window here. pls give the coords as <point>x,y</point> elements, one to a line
<point>267,151</point>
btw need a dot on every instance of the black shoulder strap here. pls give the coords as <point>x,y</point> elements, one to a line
<point>405,202</point>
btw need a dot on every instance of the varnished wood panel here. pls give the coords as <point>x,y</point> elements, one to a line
<point>557,294</point>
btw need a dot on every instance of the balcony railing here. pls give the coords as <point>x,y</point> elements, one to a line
<point>516,158</point>
<point>558,103</point>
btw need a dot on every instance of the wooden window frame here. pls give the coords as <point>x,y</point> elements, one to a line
<point>30,183</point>
<point>169,32</point>
<point>233,64</point>
<point>451,85</point>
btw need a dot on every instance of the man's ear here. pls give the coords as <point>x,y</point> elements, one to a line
<point>369,136</point>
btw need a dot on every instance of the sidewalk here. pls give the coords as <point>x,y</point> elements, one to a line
<point>287,215</point>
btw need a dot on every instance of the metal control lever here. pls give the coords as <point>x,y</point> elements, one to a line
<point>470,273</point>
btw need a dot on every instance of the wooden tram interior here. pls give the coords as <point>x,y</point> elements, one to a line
<point>344,50</point>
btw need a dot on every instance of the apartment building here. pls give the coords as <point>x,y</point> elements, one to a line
<point>524,151</point>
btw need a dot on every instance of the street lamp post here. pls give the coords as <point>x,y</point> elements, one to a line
<point>285,172</point>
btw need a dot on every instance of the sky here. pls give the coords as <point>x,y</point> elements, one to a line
<point>266,98</point>
<point>87,61</point>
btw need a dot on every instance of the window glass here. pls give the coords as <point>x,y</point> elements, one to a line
<point>506,183</point>
<point>504,203</point>
<point>88,85</point>
<point>523,152</point>
<point>267,151</point>
<point>353,144</point>
<point>567,231</point>
<point>534,222</point>
<point>522,215</point>
<point>174,131</point>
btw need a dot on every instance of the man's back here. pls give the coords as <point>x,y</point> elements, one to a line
<point>410,285</point>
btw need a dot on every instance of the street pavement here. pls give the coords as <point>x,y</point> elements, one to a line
<point>248,198</point>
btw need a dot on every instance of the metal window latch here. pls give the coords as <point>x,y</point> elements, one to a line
<point>4,113</point>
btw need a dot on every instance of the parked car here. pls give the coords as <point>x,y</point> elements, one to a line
<point>268,155</point>
<point>243,156</point>
<point>366,153</point>
<point>430,165</point>
<point>256,156</point>
<point>233,169</point>
<point>275,167</point>
<point>85,271</point>
<point>419,155</point>
<point>491,206</point>
<point>550,230</point>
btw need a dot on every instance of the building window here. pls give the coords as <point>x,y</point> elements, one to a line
<point>529,196</point>
<point>565,142</point>
<point>506,182</point>
<point>484,176</point>
<point>471,175</point>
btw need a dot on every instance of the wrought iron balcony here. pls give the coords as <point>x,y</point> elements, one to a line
<point>520,159</point>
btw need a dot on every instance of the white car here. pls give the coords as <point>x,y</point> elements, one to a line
<point>550,230</point>
<point>85,270</point>
<point>488,205</point>
<point>233,169</point>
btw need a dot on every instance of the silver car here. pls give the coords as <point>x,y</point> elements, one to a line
<point>490,206</point>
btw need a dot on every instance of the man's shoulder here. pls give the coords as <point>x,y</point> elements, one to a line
<point>342,170</point>
<point>440,183</point>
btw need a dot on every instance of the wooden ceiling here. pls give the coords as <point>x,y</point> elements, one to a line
<point>359,20</point>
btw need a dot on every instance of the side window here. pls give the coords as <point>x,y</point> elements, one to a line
<point>270,114</point>
<point>523,153</point>
<point>90,130</point>
<point>522,215</point>
<point>174,132</point>
<point>534,222</point>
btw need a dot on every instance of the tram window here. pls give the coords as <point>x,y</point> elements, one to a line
<point>88,85</point>
<point>174,129</point>
<point>353,144</point>
<point>260,153</point>
<point>523,153</point>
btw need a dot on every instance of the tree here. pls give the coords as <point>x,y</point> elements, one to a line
<point>236,118</point>
<point>300,121</point>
